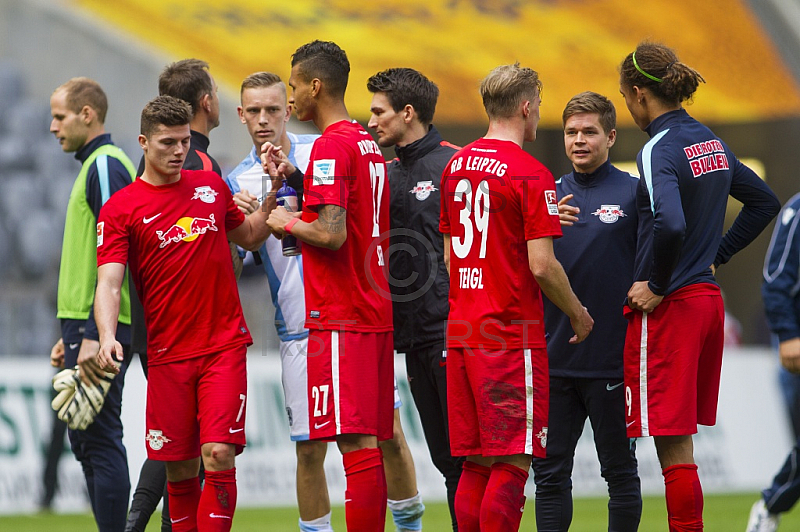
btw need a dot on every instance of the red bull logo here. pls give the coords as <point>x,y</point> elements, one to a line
<point>609,214</point>
<point>423,190</point>
<point>186,229</point>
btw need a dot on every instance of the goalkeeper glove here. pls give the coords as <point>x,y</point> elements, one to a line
<point>78,403</point>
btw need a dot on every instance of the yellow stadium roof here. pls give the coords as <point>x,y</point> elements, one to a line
<point>575,45</point>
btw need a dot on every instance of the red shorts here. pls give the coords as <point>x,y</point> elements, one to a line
<point>497,401</point>
<point>673,358</point>
<point>196,401</point>
<point>350,384</point>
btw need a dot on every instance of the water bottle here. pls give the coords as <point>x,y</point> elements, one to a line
<point>286,197</point>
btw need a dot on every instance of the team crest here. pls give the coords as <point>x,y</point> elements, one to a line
<point>609,214</point>
<point>205,194</point>
<point>156,439</point>
<point>542,435</point>
<point>423,190</point>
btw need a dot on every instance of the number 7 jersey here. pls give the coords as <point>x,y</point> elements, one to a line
<point>495,197</point>
<point>347,289</point>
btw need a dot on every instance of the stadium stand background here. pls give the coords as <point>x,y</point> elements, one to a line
<point>748,52</point>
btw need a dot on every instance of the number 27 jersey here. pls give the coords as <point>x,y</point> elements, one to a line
<point>495,198</point>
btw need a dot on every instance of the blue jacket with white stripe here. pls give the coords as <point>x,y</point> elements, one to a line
<point>597,254</point>
<point>687,174</point>
<point>782,274</point>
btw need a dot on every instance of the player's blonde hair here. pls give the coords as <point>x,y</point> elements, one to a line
<point>506,87</point>
<point>81,92</point>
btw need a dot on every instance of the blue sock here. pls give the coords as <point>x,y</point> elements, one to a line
<point>407,514</point>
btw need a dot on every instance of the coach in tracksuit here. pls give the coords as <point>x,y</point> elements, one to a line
<point>782,306</point>
<point>597,251</point>
<point>402,109</point>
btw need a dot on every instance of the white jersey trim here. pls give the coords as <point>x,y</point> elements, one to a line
<point>643,407</point>
<point>526,354</point>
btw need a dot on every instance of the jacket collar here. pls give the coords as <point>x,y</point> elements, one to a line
<point>418,149</point>
<point>89,148</point>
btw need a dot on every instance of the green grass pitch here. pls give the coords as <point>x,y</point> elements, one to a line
<point>723,513</point>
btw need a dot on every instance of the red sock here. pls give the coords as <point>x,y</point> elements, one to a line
<point>218,502</point>
<point>184,497</point>
<point>504,500</point>
<point>365,496</point>
<point>469,496</point>
<point>684,498</point>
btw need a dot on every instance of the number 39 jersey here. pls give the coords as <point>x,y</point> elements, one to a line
<point>495,198</point>
<point>347,289</point>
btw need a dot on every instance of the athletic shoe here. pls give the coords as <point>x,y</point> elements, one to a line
<point>761,520</point>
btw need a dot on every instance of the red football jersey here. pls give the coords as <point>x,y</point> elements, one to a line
<point>495,198</point>
<point>174,238</point>
<point>347,289</point>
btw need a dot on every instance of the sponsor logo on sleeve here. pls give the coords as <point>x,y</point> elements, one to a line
<point>324,171</point>
<point>787,217</point>
<point>551,201</point>
<point>100,227</point>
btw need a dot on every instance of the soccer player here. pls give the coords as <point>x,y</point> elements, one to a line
<point>402,108</point>
<point>782,305</point>
<point>79,109</point>
<point>673,346</point>
<point>171,228</point>
<point>597,252</point>
<point>265,112</point>
<point>189,80</point>
<point>348,310</point>
<point>499,216</point>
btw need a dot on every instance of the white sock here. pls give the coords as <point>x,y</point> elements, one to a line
<point>320,524</point>
<point>407,514</point>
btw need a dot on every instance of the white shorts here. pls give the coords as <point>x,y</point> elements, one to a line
<point>294,377</point>
<point>397,402</point>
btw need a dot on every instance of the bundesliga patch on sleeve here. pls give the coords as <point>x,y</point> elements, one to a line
<point>324,171</point>
<point>552,203</point>
<point>100,226</point>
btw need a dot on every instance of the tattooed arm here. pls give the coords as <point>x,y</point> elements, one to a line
<point>329,230</point>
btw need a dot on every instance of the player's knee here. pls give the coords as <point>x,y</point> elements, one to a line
<point>311,453</point>
<point>393,447</point>
<point>218,456</point>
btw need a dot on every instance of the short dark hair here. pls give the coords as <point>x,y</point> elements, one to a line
<point>406,86</point>
<point>164,110</point>
<point>188,80</point>
<point>674,82</point>
<point>591,102</point>
<point>326,61</point>
<point>81,92</point>
<point>506,87</point>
